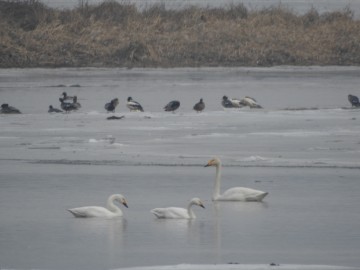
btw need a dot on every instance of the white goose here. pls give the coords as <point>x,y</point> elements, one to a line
<point>177,212</point>
<point>251,102</point>
<point>236,193</point>
<point>110,211</point>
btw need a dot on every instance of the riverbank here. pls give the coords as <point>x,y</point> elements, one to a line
<point>119,35</point>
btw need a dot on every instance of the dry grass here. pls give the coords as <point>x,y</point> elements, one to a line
<point>114,34</point>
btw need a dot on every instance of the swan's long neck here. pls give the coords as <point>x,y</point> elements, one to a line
<point>216,193</point>
<point>111,206</point>
<point>190,211</point>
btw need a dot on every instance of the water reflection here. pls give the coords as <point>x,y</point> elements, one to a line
<point>226,212</point>
<point>244,207</point>
<point>111,229</point>
<point>99,226</point>
<point>176,227</point>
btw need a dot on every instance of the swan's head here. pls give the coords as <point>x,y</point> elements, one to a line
<point>129,99</point>
<point>198,202</point>
<point>121,199</point>
<point>213,162</point>
<point>64,94</point>
<point>225,98</point>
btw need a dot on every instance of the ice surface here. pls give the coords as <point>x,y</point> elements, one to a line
<point>308,160</point>
<point>239,266</point>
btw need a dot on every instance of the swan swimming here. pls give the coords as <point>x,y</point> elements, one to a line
<point>236,193</point>
<point>110,211</point>
<point>177,212</point>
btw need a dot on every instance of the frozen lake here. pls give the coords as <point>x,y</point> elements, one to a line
<point>307,159</point>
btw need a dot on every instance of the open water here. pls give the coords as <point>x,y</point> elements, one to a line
<point>303,148</point>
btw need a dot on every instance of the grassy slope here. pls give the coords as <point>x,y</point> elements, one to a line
<point>113,34</point>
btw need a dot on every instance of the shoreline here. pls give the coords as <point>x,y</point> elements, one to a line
<point>110,34</point>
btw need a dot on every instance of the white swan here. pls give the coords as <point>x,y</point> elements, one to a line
<point>110,211</point>
<point>236,193</point>
<point>177,212</point>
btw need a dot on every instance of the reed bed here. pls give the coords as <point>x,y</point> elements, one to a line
<point>113,34</point>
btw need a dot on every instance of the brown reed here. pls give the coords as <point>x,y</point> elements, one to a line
<point>113,34</point>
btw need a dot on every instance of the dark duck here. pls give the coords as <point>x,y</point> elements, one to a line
<point>67,106</point>
<point>172,106</point>
<point>54,110</point>
<point>110,106</point>
<point>354,100</point>
<point>6,109</point>
<point>200,106</point>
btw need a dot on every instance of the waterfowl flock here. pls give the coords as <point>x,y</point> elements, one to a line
<point>240,194</point>
<point>70,103</point>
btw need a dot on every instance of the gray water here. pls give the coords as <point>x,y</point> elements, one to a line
<point>308,161</point>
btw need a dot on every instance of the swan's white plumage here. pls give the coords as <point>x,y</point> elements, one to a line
<point>236,193</point>
<point>177,212</point>
<point>110,211</point>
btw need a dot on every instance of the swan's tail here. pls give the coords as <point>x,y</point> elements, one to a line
<point>76,213</point>
<point>257,198</point>
<point>157,212</point>
<point>261,196</point>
